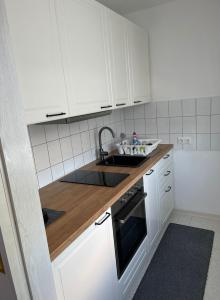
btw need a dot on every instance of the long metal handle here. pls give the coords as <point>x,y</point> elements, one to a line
<point>55,115</point>
<point>107,106</point>
<point>121,104</point>
<point>107,215</point>
<point>166,156</point>
<point>137,101</point>
<point>151,171</point>
<point>167,173</point>
<point>168,189</point>
<point>2,269</point>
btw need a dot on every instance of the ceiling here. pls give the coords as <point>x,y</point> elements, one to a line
<point>128,6</point>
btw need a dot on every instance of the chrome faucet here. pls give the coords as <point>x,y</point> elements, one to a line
<point>101,151</point>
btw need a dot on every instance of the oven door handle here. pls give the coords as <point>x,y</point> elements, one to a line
<point>122,219</point>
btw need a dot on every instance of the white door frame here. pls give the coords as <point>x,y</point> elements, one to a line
<point>20,175</point>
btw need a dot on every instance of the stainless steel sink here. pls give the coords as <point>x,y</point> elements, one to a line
<point>123,161</point>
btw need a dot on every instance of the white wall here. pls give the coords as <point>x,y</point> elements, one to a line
<point>185,48</point>
<point>197,181</point>
<point>185,63</point>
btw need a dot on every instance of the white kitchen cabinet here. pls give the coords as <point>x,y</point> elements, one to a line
<point>86,270</point>
<point>152,205</point>
<point>36,49</point>
<point>85,53</point>
<point>117,32</point>
<point>139,64</point>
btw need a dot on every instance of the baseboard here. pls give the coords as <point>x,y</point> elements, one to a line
<point>197,214</point>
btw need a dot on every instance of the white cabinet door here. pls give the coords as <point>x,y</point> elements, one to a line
<point>117,27</point>
<point>86,270</point>
<point>36,49</point>
<point>139,64</point>
<point>152,205</point>
<point>86,61</point>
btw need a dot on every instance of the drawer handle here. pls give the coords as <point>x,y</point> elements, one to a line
<point>55,115</point>
<point>151,171</point>
<point>107,215</point>
<point>107,106</point>
<point>167,173</point>
<point>168,189</point>
<point>166,156</point>
<point>121,104</point>
<point>138,101</point>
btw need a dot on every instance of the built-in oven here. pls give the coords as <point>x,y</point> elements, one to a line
<point>129,225</point>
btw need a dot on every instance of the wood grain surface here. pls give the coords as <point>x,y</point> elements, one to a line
<point>83,204</point>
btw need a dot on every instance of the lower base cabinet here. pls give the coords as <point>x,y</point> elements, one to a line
<point>86,270</point>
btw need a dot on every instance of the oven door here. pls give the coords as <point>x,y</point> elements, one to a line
<point>130,229</point>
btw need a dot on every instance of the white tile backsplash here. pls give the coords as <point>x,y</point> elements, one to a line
<point>57,171</point>
<point>44,177</point>
<point>151,110</point>
<point>55,154</point>
<point>176,125</point>
<point>41,157</point>
<point>63,130</point>
<point>189,107</point>
<point>66,148</point>
<point>69,165</point>
<point>203,124</point>
<point>37,134</point>
<point>51,132</point>
<point>76,144</point>
<point>162,109</point>
<point>151,126</point>
<point>203,107</point>
<point>163,125</point>
<point>189,125</point>
<point>139,126</point>
<point>203,142</point>
<point>215,106</point>
<point>215,124</point>
<point>139,112</point>
<point>192,146</point>
<point>60,149</point>
<point>175,109</point>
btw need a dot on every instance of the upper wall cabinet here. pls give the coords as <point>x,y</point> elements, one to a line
<point>117,32</point>
<point>139,64</point>
<point>86,62</point>
<point>36,49</point>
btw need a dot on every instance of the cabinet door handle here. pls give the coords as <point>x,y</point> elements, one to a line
<point>168,189</point>
<point>167,173</point>
<point>121,104</point>
<point>107,215</point>
<point>107,106</point>
<point>166,156</point>
<point>137,101</point>
<point>151,171</point>
<point>55,115</point>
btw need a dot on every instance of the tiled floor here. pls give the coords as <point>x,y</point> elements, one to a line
<point>212,291</point>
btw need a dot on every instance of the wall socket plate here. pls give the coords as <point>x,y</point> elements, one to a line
<point>184,140</point>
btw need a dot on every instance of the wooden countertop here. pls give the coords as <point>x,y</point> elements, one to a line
<point>83,204</point>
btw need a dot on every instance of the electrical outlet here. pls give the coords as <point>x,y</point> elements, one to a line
<point>184,140</point>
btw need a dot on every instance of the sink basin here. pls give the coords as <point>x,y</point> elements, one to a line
<point>123,161</point>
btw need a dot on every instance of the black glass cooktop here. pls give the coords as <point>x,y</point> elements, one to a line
<point>95,178</point>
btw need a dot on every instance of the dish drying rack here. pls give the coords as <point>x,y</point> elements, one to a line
<point>143,148</point>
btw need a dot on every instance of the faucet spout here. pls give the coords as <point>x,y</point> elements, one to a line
<point>101,151</point>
